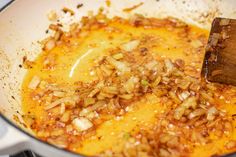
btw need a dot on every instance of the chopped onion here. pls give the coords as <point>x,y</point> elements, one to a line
<point>173,95</point>
<point>65,117</point>
<point>130,46</point>
<point>130,84</point>
<point>184,95</point>
<point>58,142</point>
<point>50,44</point>
<point>106,70</point>
<point>69,128</point>
<point>118,56</point>
<point>151,65</point>
<point>59,94</point>
<point>179,112</point>
<point>97,105</point>
<point>82,124</point>
<point>121,66</point>
<point>164,153</point>
<point>169,65</point>
<point>57,132</point>
<point>164,138</point>
<point>207,96</point>
<point>93,92</point>
<point>180,63</point>
<point>60,101</point>
<point>92,115</point>
<point>63,108</point>
<point>211,113</point>
<point>230,145</point>
<point>189,102</point>
<point>106,95</point>
<point>183,84</point>
<point>126,96</point>
<point>156,82</point>
<point>52,15</point>
<point>34,83</point>
<point>110,90</point>
<point>196,43</point>
<point>100,85</point>
<point>84,112</point>
<point>196,113</point>
<point>89,101</point>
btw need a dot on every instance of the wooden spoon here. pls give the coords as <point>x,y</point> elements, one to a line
<point>220,58</point>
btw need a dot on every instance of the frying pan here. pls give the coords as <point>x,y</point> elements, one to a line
<point>23,24</point>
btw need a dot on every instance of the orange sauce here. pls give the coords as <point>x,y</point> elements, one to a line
<point>73,64</point>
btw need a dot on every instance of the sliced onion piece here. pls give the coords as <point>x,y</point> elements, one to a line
<point>118,56</point>
<point>130,84</point>
<point>121,66</point>
<point>169,65</point>
<point>196,113</point>
<point>151,65</point>
<point>126,96</point>
<point>59,94</point>
<point>60,101</point>
<point>189,102</point>
<point>82,124</point>
<point>98,105</point>
<point>34,83</point>
<point>130,46</point>
<point>50,44</point>
<point>89,101</point>
<point>196,43</point>
<point>211,113</point>
<point>184,95</point>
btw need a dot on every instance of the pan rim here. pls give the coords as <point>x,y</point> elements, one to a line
<point>9,122</point>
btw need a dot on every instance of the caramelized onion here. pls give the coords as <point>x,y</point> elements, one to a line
<point>130,46</point>
<point>34,83</point>
<point>82,124</point>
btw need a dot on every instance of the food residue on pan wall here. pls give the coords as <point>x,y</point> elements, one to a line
<point>133,7</point>
<point>108,3</point>
<point>129,88</point>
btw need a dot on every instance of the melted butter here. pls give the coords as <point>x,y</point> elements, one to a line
<point>74,63</point>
